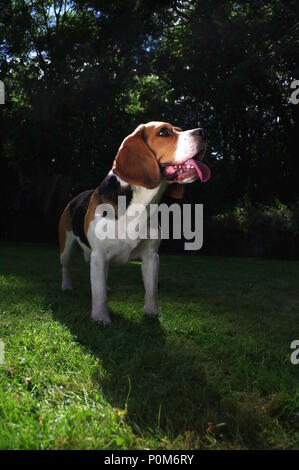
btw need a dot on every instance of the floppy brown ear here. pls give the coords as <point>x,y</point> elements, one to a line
<point>176,191</point>
<point>135,163</point>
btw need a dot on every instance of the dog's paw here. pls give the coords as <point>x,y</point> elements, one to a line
<point>66,285</point>
<point>152,312</point>
<point>103,318</point>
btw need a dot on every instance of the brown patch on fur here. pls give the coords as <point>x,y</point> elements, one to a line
<point>175,191</point>
<point>135,163</point>
<point>107,193</point>
<point>90,213</point>
<point>106,201</point>
<point>65,225</point>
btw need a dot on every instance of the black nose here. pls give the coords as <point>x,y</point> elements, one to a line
<point>201,133</point>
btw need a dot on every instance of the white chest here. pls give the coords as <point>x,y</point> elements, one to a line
<point>118,238</point>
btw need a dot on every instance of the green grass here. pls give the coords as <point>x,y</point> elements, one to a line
<point>213,373</point>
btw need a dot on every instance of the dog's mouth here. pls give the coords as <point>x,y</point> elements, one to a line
<point>188,171</point>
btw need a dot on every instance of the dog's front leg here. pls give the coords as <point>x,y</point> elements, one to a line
<point>98,278</point>
<point>150,273</point>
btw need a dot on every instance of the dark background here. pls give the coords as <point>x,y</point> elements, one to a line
<point>81,75</point>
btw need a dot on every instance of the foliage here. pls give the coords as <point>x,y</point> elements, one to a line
<point>256,230</point>
<point>80,75</point>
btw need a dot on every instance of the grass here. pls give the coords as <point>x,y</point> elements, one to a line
<point>213,373</point>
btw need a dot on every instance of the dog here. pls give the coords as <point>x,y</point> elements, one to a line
<point>156,156</point>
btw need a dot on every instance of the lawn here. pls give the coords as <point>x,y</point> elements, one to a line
<point>213,372</point>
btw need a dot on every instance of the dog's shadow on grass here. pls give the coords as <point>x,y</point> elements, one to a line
<point>158,377</point>
<point>161,382</point>
<point>155,373</point>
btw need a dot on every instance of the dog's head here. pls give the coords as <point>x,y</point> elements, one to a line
<point>158,151</point>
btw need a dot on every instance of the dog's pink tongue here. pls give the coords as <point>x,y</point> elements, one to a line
<point>202,170</point>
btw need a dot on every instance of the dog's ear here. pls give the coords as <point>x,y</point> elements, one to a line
<point>135,163</point>
<point>178,129</point>
<point>176,191</point>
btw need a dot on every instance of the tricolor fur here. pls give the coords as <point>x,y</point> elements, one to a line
<point>156,156</point>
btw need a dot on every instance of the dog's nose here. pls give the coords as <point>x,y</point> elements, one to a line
<point>201,133</point>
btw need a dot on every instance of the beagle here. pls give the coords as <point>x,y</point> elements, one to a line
<point>154,157</point>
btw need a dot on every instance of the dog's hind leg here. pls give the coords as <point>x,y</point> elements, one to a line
<point>66,243</point>
<point>65,259</point>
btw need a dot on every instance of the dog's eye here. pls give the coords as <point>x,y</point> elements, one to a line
<point>164,132</point>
